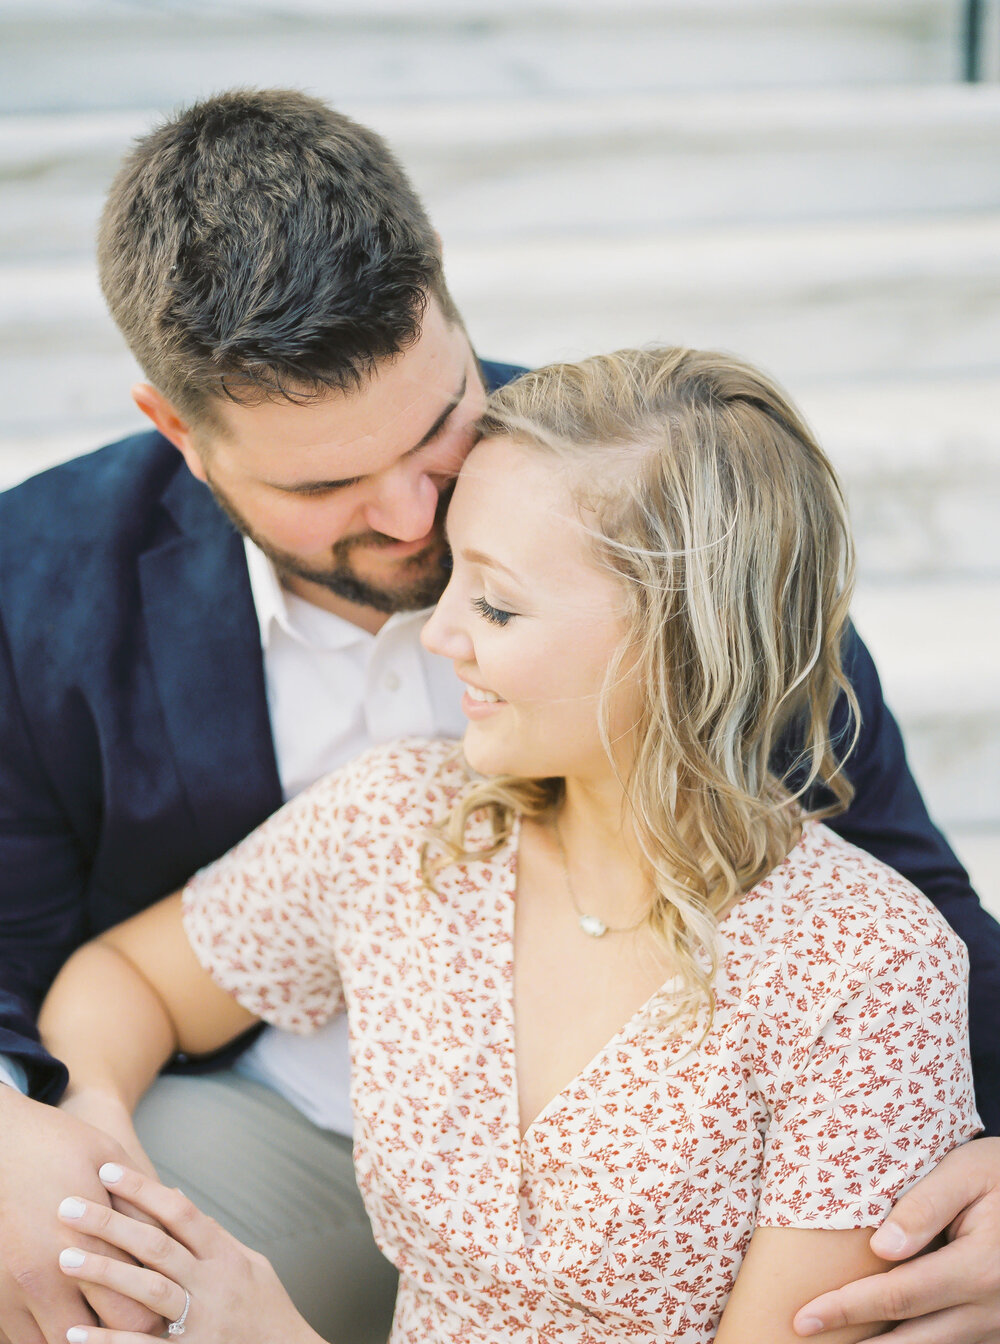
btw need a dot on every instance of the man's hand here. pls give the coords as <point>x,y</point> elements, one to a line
<point>111,1116</point>
<point>950,1295</point>
<point>45,1153</point>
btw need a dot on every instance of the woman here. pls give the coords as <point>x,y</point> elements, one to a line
<point>640,1049</point>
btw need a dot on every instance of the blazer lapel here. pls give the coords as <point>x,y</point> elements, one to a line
<point>204,644</point>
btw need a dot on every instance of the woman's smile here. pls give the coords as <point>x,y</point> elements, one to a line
<point>478,703</point>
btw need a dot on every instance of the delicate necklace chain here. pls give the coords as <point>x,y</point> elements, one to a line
<point>592,925</point>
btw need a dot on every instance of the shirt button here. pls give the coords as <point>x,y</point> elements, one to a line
<point>392,682</point>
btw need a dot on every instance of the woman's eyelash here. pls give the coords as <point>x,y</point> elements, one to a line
<point>493,614</point>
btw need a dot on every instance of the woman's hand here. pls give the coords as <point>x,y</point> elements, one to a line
<point>233,1293</point>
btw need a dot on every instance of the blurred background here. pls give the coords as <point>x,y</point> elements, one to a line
<point>812,184</point>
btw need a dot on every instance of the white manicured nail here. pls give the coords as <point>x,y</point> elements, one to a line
<point>71,1258</point>
<point>77,1335</point>
<point>72,1208</point>
<point>110,1173</point>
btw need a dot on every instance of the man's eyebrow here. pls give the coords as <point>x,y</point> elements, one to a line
<point>319,487</point>
<point>438,424</point>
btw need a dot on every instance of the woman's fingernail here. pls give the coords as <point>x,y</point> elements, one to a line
<point>77,1335</point>
<point>890,1239</point>
<point>110,1173</point>
<point>72,1208</point>
<point>71,1258</point>
<point>809,1325</point>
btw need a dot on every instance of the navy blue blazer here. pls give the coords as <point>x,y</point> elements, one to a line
<point>135,744</point>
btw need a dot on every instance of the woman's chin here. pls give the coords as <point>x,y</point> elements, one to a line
<point>479,757</point>
<point>486,757</point>
<point>493,758</point>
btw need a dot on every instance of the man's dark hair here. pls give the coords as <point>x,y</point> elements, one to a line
<point>262,245</point>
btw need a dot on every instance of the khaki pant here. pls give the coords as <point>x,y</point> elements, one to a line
<point>282,1186</point>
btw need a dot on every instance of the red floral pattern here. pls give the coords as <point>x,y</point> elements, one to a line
<point>835,1073</point>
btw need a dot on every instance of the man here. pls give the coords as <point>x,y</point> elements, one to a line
<point>166,679</point>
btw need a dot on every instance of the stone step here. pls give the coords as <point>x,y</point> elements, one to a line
<point>920,462</point>
<point>870,300</point>
<point>162,55</point>
<point>937,647</point>
<point>876,298</point>
<point>495,169</point>
<point>644,163</point>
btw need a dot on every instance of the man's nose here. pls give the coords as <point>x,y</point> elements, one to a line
<point>404,506</point>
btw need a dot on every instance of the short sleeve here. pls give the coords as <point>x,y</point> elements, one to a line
<point>261,918</point>
<point>878,1087</point>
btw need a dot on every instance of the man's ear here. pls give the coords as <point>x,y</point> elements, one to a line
<point>155,405</point>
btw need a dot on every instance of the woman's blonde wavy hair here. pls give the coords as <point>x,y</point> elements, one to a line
<point>706,493</point>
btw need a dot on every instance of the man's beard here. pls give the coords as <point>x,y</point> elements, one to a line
<point>423,577</point>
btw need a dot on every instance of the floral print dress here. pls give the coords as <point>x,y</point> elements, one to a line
<point>835,1071</point>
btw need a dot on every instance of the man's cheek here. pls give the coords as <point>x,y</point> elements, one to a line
<point>308,531</point>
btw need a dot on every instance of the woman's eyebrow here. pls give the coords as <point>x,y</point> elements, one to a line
<point>481,558</point>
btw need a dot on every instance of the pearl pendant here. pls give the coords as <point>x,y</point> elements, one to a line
<point>592,926</point>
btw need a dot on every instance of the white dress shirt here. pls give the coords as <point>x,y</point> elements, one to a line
<point>13,1074</point>
<point>333,691</point>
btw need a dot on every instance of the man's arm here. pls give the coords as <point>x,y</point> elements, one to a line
<point>42,915</point>
<point>41,919</point>
<point>888,816</point>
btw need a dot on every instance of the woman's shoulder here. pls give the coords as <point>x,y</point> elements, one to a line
<point>851,1016</point>
<point>413,780</point>
<point>830,904</point>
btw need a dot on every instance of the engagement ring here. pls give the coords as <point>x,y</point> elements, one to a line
<point>177,1327</point>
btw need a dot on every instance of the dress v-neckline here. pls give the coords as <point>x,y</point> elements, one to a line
<point>558,1101</point>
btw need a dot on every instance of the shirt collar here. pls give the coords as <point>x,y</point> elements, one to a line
<point>270,602</point>
<point>267,592</point>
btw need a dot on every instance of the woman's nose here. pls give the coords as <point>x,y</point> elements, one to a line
<point>444,633</point>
